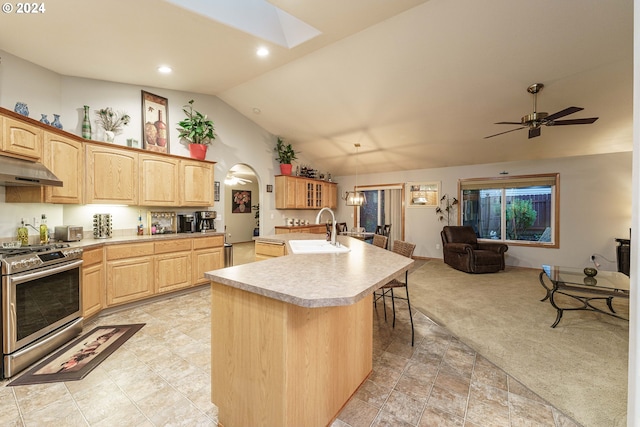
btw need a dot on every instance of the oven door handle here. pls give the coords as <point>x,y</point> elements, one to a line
<point>22,278</point>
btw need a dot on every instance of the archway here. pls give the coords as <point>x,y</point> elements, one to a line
<point>242,201</point>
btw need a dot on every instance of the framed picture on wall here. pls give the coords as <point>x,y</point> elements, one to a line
<point>216,191</point>
<point>240,201</point>
<point>423,194</point>
<point>155,116</point>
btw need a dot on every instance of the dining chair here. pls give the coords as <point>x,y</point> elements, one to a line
<point>341,227</point>
<point>386,230</point>
<point>380,241</point>
<point>406,249</point>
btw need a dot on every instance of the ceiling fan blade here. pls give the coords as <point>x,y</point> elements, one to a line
<point>502,133</point>
<point>586,121</point>
<point>508,123</point>
<point>562,113</point>
<point>534,132</point>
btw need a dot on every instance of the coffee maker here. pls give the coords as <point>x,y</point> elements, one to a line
<point>186,223</point>
<point>205,221</point>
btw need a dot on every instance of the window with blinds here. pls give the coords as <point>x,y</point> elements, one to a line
<point>517,210</point>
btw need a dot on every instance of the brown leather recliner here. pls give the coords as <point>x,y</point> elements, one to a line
<point>463,252</point>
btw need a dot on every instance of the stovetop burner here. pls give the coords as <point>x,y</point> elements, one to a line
<point>25,258</point>
<point>31,249</point>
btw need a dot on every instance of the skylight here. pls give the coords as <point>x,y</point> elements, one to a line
<point>256,17</point>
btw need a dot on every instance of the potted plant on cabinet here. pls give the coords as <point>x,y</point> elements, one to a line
<point>197,130</point>
<point>286,155</point>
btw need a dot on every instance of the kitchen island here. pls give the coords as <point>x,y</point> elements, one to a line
<point>291,337</point>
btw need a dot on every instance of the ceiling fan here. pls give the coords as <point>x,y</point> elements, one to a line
<point>535,120</point>
<point>234,180</point>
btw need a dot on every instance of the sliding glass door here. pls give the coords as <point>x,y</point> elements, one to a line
<point>383,207</point>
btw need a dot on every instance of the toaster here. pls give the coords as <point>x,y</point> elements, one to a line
<point>68,233</point>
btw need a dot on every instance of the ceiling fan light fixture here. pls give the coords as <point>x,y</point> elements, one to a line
<point>535,120</point>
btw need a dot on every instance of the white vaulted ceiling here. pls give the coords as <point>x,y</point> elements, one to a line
<point>417,83</point>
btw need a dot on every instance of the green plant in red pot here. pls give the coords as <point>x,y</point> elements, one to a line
<point>197,130</point>
<point>286,155</point>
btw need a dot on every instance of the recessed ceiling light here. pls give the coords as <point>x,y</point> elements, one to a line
<point>164,69</point>
<point>262,52</point>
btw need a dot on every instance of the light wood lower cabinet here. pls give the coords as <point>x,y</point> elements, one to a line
<point>135,271</point>
<point>93,293</point>
<point>172,265</point>
<point>208,254</point>
<point>266,250</point>
<point>129,272</point>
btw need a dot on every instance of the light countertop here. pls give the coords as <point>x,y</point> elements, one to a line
<point>89,243</point>
<point>316,280</point>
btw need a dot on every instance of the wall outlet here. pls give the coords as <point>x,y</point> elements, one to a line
<point>438,246</point>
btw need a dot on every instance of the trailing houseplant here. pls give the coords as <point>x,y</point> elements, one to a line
<point>197,129</point>
<point>286,155</point>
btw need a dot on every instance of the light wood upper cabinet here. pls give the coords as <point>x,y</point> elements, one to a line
<point>112,175</point>
<point>330,195</point>
<point>21,139</point>
<point>294,192</point>
<point>65,158</point>
<point>159,179</point>
<point>196,183</point>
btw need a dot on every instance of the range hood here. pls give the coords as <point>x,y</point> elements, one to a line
<point>22,172</point>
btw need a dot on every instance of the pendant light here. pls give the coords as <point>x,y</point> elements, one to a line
<point>355,198</point>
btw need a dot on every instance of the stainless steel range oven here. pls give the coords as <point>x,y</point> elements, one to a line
<point>41,302</point>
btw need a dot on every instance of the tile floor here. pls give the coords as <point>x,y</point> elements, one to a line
<point>160,377</point>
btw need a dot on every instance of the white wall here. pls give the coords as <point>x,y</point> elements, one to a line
<point>595,191</point>
<point>239,140</point>
<point>595,206</point>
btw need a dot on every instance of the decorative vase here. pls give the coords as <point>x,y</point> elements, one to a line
<point>44,119</point>
<point>109,135</point>
<point>86,124</point>
<point>21,108</point>
<point>56,121</point>
<point>161,139</point>
<point>198,151</point>
<point>285,168</point>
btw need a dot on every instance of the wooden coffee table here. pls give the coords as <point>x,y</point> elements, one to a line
<point>573,283</point>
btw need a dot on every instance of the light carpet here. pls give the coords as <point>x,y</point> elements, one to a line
<point>580,367</point>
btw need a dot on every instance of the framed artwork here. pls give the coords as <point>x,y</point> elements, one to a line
<point>240,201</point>
<point>155,116</point>
<point>269,188</point>
<point>216,191</point>
<point>423,194</point>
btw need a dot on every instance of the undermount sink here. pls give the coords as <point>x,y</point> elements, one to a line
<point>316,247</point>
